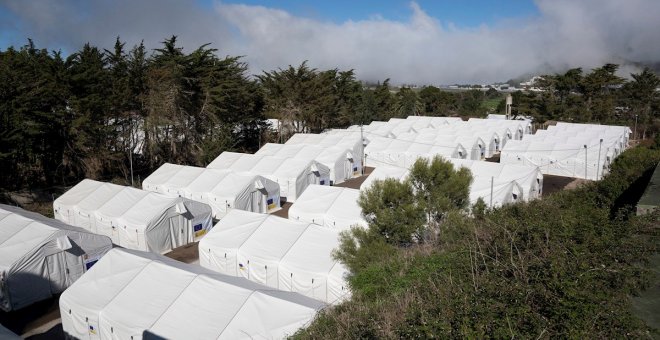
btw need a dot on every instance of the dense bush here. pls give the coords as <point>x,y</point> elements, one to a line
<point>563,266</point>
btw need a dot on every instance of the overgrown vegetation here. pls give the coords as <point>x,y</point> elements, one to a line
<point>597,96</point>
<point>563,266</point>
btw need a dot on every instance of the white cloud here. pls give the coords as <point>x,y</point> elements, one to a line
<point>422,50</point>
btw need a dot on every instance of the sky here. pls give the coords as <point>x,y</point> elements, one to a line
<point>411,42</point>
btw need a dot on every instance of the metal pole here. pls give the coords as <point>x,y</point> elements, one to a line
<point>585,161</point>
<point>130,152</point>
<point>598,164</point>
<point>362,147</point>
<point>492,180</point>
<point>635,131</point>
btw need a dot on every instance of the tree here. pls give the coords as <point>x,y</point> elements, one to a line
<point>642,98</point>
<point>408,103</point>
<point>437,102</point>
<point>439,188</point>
<point>33,124</point>
<point>392,212</point>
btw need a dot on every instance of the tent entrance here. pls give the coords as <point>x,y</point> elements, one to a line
<point>180,231</point>
<point>258,200</point>
<point>56,272</point>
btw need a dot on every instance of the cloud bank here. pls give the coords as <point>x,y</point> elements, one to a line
<point>420,50</point>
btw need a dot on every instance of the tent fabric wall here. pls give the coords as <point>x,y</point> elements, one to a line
<point>280,253</point>
<point>222,190</point>
<point>335,138</point>
<point>570,150</point>
<point>133,218</point>
<point>40,257</point>
<point>333,207</point>
<point>510,183</point>
<point>498,184</point>
<point>124,297</point>
<point>292,175</point>
<point>339,160</point>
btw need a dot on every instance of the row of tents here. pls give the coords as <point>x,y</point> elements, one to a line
<point>494,183</point>
<point>570,150</point>
<point>115,293</point>
<point>399,142</point>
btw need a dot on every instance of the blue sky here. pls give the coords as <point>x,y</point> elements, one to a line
<point>408,41</point>
<point>461,13</point>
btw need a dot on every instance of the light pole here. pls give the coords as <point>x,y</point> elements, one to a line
<point>585,161</point>
<point>598,164</point>
<point>364,161</point>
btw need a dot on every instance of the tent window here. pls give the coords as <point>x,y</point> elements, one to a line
<point>515,197</point>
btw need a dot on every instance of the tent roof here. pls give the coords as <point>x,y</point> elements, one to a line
<point>225,160</point>
<point>22,231</point>
<point>330,206</point>
<point>140,206</point>
<point>220,182</point>
<point>187,306</point>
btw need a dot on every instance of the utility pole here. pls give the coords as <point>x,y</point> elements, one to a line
<point>585,161</point>
<point>362,147</point>
<point>635,130</point>
<point>600,146</point>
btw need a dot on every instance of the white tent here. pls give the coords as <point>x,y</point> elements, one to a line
<point>383,172</point>
<point>280,253</point>
<point>335,138</point>
<point>498,184</point>
<point>422,122</point>
<point>332,207</point>
<point>339,160</point>
<point>135,295</point>
<point>571,150</point>
<point>293,175</point>
<point>41,257</point>
<point>404,152</point>
<point>133,218</point>
<point>509,183</point>
<point>222,190</point>
<point>519,128</point>
<point>6,334</point>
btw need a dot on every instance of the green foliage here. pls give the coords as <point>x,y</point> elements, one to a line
<point>401,214</point>
<point>597,96</point>
<point>93,113</point>
<point>439,188</point>
<point>479,209</point>
<point>392,212</point>
<point>560,267</point>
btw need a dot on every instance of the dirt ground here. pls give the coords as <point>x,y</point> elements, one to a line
<point>354,183</point>
<point>186,254</point>
<point>552,184</point>
<point>284,210</point>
